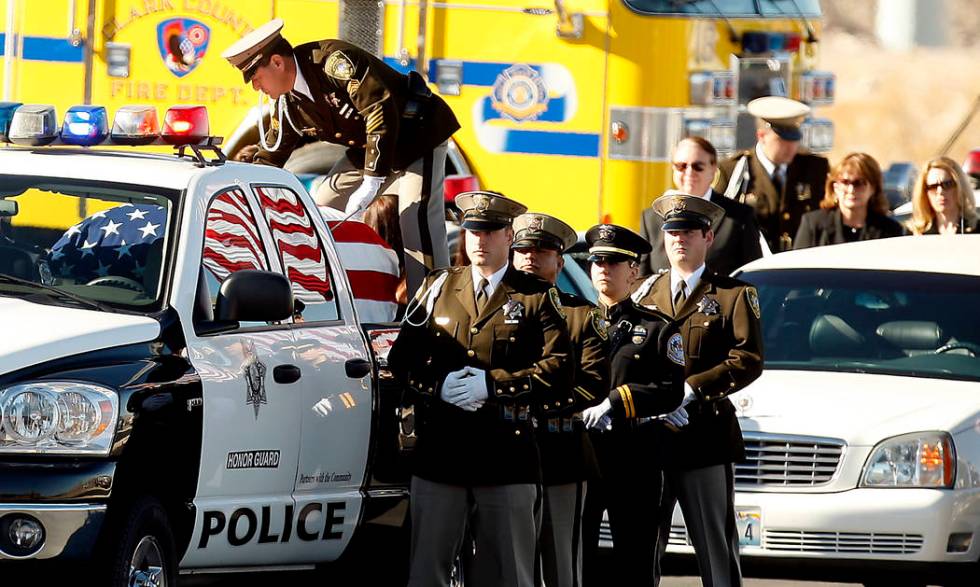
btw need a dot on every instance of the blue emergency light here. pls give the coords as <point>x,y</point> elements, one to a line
<point>6,114</point>
<point>85,126</point>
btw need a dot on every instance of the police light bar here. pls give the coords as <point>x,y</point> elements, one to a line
<point>33,124</point>
<point>135,125</point>
<point>85,126</point>
<point>184,125</point>
<point>818,87</point>
<point>770,42</point>
<point>7,110</point>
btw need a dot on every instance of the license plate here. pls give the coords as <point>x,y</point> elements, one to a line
<point>749,523</point>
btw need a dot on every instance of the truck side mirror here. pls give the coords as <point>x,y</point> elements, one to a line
<point>254,296</point>
<point>8,208</point>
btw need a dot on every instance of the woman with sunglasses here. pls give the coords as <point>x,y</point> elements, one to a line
<point>854,207</point>
<point>942,201</point>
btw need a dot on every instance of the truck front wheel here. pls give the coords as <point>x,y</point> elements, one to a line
<point>139,548</point>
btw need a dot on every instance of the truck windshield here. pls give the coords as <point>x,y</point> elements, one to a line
<point>728,8</point>
<point>83,243</point>
<point>898,323</point>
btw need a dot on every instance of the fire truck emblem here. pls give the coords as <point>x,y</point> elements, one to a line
<point>183,42</point>
<point>519,93</point>
<point>254,372</point>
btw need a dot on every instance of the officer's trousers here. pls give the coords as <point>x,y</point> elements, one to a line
<point>502,520</point>
<point>561,535</point>
<point>421,208</point>
<point>707,498</point>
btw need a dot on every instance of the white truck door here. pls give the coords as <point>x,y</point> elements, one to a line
<point>245,514</point>
<point>336,410</point>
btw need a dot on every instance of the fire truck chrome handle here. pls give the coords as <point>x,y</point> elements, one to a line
<point>286,374</point>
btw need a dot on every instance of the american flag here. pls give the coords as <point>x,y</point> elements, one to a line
<point>113,242</point>
<point>231,241</point>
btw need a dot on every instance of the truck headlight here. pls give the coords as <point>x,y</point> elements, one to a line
<point>57,417</point>
<point>921,459</point>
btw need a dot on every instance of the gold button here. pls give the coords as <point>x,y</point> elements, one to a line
<point>437,334</point>
<point>546,407</point>
<point>557,403</point>
<point>471,353</point>
<point>411,382</point>
<point>512,390</point>
<point>517,432</point>
<point>636,356</point>
<point>351,143</point>
<point>570,400</point>
<point>732,384</point>
<point>474,330</point>
<point>785,215</point>
<point>526,386</point>
<point>512,339</point>
<point>430,390</point>
<point>337,136</point>
<point>707,323</point>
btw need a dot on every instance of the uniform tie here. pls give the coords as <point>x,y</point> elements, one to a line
<point>778,180</point>
<point>681,296</point>
<point>481,294</point>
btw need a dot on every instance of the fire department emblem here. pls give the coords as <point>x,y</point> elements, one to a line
<point>183,42</point>
<point>519,93</point>
<point>254,372</point>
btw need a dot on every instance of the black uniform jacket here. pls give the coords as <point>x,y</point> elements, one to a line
<point>826,227</point>
<point>567,455</point>
<point>720,325</point>
<point>360,102</point>
<point>736,238</point>
<point>521,340</point>
<point>646,362</point>
<point>779,214</point>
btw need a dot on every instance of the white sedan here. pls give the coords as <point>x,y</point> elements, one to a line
<point>863,433</point>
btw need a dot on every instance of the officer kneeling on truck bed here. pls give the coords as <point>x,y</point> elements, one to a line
<point>481,347</point>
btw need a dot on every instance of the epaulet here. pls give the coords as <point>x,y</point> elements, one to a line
<point>645,287</point>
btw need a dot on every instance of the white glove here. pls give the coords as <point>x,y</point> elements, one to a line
<point>452,386</point>
<point>473,392</point>
<point>363,196</point>
<point>689,395</point>
<point>677,418</point>
<point>594,416</point>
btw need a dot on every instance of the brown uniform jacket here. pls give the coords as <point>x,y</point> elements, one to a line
<point>521,340</point>
<point>360,102</point>
<point>779,213</point>
<point>720,326</point>
<point>567,455</point>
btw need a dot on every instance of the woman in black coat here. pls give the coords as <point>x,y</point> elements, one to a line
<point>853,209</point>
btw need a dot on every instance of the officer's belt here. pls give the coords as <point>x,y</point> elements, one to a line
<point>560,425</point>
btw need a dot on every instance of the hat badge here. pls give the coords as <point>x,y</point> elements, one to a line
<point>606,233</point>
<point>678,204</point>
<point>481,202</point>
<point>534,224</point>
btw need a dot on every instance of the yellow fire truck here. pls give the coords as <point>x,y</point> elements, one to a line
<point>570,106</point>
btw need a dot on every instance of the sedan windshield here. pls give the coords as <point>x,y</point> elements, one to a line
<point>901,323</point>
<point>89,244</point>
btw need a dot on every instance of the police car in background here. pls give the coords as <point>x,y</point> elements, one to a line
<point>184,383</point>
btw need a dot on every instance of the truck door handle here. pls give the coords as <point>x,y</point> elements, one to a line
<point>286,374</point>
<point>357,368</point>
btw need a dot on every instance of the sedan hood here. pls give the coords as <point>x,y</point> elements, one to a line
<point>35,333</point>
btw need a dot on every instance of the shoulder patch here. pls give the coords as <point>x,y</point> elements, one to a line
<point>339,66</point>
<point>556,302</point>
<point>599,323</point>
<point>752,297</point>
<point>675,349</point>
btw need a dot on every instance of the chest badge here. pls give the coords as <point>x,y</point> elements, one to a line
<point>753,298</point>
<point>513,312</point>
<point>339,66</point>
<point>675,349</point>
<point>639,334</point>
<point>708,306</point>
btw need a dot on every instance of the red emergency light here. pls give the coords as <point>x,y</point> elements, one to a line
<point>185,125</point>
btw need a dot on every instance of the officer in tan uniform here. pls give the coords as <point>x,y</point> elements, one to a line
<point>481,347</point>
<point>394,128</point>
<point>699,442</point>
<point>567,458</point>
<point>777,180</point>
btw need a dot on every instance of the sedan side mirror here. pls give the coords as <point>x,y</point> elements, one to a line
<point>254,296</point>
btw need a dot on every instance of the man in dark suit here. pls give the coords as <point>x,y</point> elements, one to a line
<point>394,128</point>
<point>777,180</point>
<point>695,162</point>
<point>698,443</point>
<point>481,348</point>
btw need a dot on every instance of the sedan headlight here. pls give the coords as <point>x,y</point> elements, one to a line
<point>922,459</point>
<point>58,417</point>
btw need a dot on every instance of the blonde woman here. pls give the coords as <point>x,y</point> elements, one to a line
<point>854,207</point>
<point>942,202</point>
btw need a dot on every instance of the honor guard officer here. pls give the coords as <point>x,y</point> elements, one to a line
<point>567,458</point>
<point>480,348</point>
<point>774,178</point>
<point>646,379</point>
<point>394,128</point>
<point>722,349</point>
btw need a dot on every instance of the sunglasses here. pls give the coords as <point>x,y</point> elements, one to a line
<point>853,183</point>
<point>697,166</point>
<point>947,185</point>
